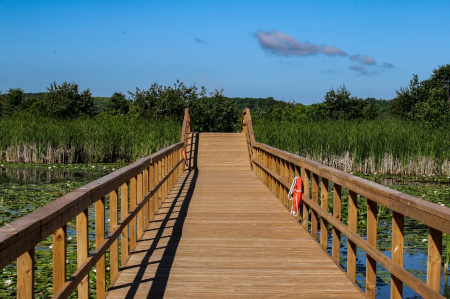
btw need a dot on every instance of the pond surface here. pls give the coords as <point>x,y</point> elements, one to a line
<point>26,187</point>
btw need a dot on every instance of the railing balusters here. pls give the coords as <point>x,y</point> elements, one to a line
<point>83,251</point>
<point>371,264</point>
<point>336,250</point>
<point>352,225</point>
<point>124,236</point>
<point>397,252</point>
<point>434,259</point>
<point>59,244</point>
<point>113,223</point>
<point>324,205</point>
<point>25,275</point>
<point>99,238</point>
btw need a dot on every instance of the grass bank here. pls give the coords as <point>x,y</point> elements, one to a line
<point>83,140</point>
<point>388,146</point>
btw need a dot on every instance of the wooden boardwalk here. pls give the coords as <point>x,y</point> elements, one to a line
<point>222,233</point>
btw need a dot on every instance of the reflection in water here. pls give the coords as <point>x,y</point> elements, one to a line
<point>36,176</point>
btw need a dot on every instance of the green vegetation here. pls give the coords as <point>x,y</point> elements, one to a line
<point>25,138</point>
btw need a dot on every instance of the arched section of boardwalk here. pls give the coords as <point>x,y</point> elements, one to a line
<point>221,232</point>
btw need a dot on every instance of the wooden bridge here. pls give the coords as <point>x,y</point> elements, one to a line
<point>220,227</point>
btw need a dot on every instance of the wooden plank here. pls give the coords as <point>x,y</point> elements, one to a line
<point>352,225</point>
<point>83,251</point>
<point>25,275</point>
<point>100,273</point>
<point>59,257</point>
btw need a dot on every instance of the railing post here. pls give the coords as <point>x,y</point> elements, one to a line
<point>99,238</point>
<point>124,236</point>
<point>397,252</point>
<point>434,259</point>
<point>306,182</point>
<point>151,179</point>
<point>140,215</point>
<point>315,198</point>
<point>113,223</point>
<point>25,275</point>
<point>83,251</point>
<point>133,199</point>
<point>336,250</point>
<point>145,184</point>
<point>352,224</point>
<point>59,258</point>
<point>371,264</point>
<point>324,205</point>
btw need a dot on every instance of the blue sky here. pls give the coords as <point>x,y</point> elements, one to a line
<point>289,50</point>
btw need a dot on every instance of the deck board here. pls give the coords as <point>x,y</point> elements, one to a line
<point>222,233</point>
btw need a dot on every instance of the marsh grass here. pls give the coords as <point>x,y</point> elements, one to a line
<point>388,146</point>
<point>83,140</point>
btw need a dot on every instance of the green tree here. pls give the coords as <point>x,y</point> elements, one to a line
<point>65,101</point>
<point>13,100</point>
<point>164,101</point>
<point>214,114</point>
<point>119,103</point>
<point>427,101</point>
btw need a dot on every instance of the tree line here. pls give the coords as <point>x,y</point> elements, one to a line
<point>426,101</point>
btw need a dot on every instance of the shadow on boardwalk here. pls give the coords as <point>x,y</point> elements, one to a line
<point>170,218</point>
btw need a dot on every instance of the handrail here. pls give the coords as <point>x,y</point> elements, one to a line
<point>277,168</point>
<point>142,186</point>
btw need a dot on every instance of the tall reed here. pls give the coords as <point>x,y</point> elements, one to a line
<point>88,140</point>
<point>388,146</point>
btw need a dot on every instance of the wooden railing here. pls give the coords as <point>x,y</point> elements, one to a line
<point>134,193</point>
<point>277,168</point>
